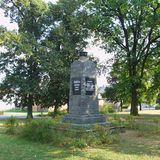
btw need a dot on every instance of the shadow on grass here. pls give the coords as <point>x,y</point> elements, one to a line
<point>136,144</point>
<point>65,153</point>
<point>19,148</point>
<point>144,140</point>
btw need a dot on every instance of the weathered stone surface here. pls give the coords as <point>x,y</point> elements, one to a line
<point>83,101</point>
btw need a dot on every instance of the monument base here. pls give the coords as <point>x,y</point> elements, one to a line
<point>85,120</point>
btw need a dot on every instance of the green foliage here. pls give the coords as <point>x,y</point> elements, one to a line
<point>56,115</point>
<point>1,112</point>
<point>16,109</point>
<point>107,108</point>
<point>104,136</point>
<point>11,124</point>
<point>38,130</point>
<point>130,31</point>
<point>65,38</point>
<point>21,59</point>
<point>46,131</point>
<point>118,91</point>
<point>37,58</point>
<point>142,125</point>
<point>157,107</point>
<point>80,143</point>
<point>134,144</point>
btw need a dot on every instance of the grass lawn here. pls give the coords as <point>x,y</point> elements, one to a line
<point>22,113</point>
<point>149,112</point>
<point>135,144</point>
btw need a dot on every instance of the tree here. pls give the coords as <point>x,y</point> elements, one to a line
<point>20,61</point>
<point>154,80</point>
<point>69,36</point>
<point>119,84</point>
<point>130,29</point>
<point>42,51</point>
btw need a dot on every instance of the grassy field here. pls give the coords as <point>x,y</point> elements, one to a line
<point>141,141</point>
<point>135,148</point>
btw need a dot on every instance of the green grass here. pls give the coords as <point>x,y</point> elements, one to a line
<point>23,113</point>
<point>142,142</point>
<point>14,148</point>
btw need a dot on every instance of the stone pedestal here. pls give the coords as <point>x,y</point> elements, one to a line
<point>83,101</point>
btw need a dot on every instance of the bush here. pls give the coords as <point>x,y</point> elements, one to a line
<point>38,130</point>
<point>107,109</point>
<point>157,107</point>
<point>16,109</point>
<point>80,143</point>
<point>46,131</point>
<point>11,125</point>
<point>58,113</point>
<point>1,112</point>
<point>104,136</point>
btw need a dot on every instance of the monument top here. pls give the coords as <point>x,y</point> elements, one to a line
<point>83,53</point>
<point>83,56</point>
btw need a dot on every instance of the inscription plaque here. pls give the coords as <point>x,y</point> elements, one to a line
<point>76,86</point>
<point>90,86</point>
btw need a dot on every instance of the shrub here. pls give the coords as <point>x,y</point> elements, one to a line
<point>80,143</point>
<point>1,112</point>
<point>157,107</point>
<point>58,113</point>
<point>11,125</point>
<point>51,114</point>
<point>46,131</point>
<point>16,109</point>
<point>107,109</point>
<point>104,137</point>
<point>38,130</point>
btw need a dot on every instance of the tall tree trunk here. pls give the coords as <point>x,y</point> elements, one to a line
<point>134,101</point>
<point>140,106</point>
<point>29,107</point>
<point>134,94</point>
<point>55,111</point>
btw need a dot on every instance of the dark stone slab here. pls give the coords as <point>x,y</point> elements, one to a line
<point>85,119</point>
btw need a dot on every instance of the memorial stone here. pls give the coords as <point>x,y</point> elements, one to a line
<point>83,100</point>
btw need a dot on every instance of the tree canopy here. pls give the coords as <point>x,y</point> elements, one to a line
<point>37,58</point>
<point>129,29</point>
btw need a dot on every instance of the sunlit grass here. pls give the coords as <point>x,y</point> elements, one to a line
<point>22,113</point>
<point>141,141</point>
<point>151,112</point>
<point>13,148</point>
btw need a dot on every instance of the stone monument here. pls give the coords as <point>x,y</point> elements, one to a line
<point>83,100</point>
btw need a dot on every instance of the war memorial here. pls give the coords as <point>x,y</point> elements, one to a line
<point>83,100</point>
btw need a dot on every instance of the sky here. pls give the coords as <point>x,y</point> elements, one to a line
<point>94,50</point>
